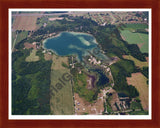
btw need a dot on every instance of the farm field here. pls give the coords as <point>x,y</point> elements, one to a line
<point>27,23</point>
<point>135,26</point>
<point>136,38</point>
<point>32,57</point>
<point>130,35</point>
<point>29,45</point>
<point>140,82</point>
<point>57,62</point>
<point>61,101</point>
<point>136,61</point>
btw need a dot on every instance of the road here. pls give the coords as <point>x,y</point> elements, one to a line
<point>43,14</point>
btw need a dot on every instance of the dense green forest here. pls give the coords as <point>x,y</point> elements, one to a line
<point>30,85</point>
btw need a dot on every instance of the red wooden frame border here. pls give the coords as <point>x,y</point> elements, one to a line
<point>6,4</point>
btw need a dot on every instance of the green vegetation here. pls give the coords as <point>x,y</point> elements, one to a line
<point>136,38</point>
<point>80,87</point>
<point>120,71</point>
<point>21,35</point>
<point>136,34</point>
<point>31,83</point>
<point>61,102</point>
<point>108,105</point>
<point>137,62</point>
<point>136,105</point>
<point>13,38</point>
<point>135,26</point>
<point>18,36</point>
<point>107,36</point>
<point>145,72</point>
<point>65,65</point>
<point>110,41</point>
<point>139,113</point>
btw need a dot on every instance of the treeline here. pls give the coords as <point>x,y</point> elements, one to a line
<point>79,24</point>
<point>30,85</point>
<point>135,52</point>
<point>141,31</point>
<point>145,72</point>
<point>52,12</point>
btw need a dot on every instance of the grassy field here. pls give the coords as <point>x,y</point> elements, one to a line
<point>133,37</point>
<point>16,38</point>
<point>140,82</point>
<point>61,102</point>
<point>32,57</point>
<point>136,38</point>
<point>57,62</point>
<point>136,61</point>
<point>22,35</point>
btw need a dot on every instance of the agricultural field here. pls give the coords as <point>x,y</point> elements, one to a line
<point>131,35</point>
<point>14,36</point>
<point>135,26</point>
<point>27,23</point>
<point>32,57</point>
<point>29,45</point>
<point>140,82</point>
<point>137,62</point>
<point>18,36</point>
<point>61,101</point>
<point>57,62</point>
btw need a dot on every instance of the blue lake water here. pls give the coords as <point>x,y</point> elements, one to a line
<point>70,43</point>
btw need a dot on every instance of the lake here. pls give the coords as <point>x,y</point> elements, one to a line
<point>71,43</point>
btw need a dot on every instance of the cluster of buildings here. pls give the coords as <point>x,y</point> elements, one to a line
<point>93,60</point>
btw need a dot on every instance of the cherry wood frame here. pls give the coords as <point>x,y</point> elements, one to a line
<point>6,4</point>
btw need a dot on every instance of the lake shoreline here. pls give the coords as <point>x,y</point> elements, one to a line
<point>92,43</point>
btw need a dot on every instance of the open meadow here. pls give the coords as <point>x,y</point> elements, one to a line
<point>32,57</point>
<point>137,62</point>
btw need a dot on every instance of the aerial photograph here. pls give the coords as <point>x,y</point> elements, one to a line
<point>79,62</point>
